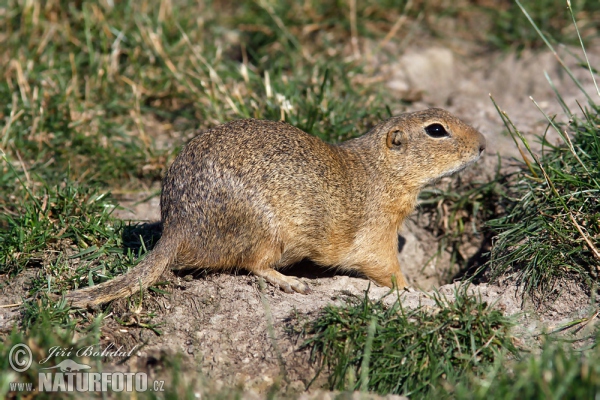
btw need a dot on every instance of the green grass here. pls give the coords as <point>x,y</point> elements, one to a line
<point>459,349</point>
<point>93,88</point>
<point>551,229</point>
<point>511,29</point>
<point>69,234</point>
<point>367,345</point>
<point>558,372</point>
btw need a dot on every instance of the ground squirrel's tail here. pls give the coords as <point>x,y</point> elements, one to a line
<point>142,276</point>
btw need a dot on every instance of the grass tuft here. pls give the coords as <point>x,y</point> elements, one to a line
<point>552,228</point>
<point>557,372</point>
<point>410,352</point>
<point>69,233</point>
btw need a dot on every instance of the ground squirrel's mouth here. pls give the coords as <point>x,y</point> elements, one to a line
<point>460,168</point>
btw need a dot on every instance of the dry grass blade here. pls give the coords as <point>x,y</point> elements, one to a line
<point>558,58</point>
<point>582,46</point>
<point>587,240</point>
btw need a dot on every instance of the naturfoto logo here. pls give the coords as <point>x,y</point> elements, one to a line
<point>71,376</point>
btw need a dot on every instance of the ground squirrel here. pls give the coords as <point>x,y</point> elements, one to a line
<point>261,195</point>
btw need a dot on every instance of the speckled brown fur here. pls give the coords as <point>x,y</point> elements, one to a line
<point>261,195</point>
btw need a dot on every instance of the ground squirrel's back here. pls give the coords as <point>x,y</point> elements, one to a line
<point>261,195</point>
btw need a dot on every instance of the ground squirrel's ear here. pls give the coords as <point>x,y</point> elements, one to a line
<point>394,138</point>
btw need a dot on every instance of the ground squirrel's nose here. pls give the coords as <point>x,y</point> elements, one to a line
<point>481,144</point>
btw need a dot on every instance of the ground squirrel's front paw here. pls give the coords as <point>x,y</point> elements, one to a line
<point>392,279</point>
<point>399,281</point>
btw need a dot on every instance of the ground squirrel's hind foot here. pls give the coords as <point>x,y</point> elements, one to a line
<point>286,283</point>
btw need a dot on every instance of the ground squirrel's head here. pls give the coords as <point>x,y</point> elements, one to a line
<point>426,145</point>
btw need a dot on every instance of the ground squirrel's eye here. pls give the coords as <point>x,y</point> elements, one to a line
<point>436,131</point>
